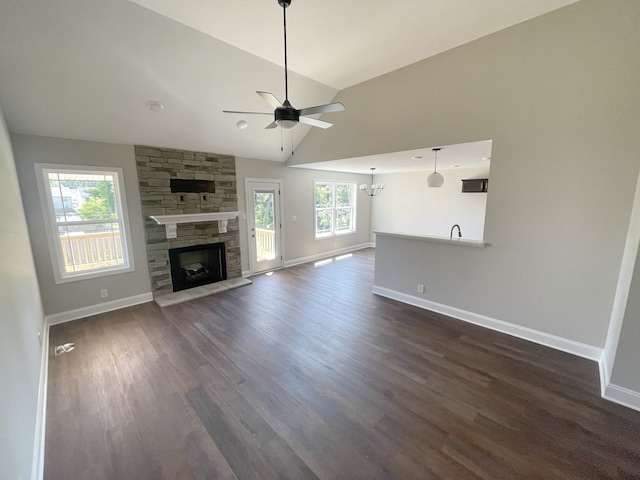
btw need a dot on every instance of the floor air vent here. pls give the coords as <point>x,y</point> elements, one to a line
<point>67,347</point>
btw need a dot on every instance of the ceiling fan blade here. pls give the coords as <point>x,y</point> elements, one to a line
<point>271,125</point>
<point>315,123</point>
<point>247,113</point>
<point>330,107</point>
<point>270,98</point>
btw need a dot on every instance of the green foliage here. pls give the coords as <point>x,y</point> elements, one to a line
<point>104,190</point>
<point>263,204</point>
<point>101,204</point>
<point>324,195</point>
<point>343,195</point>
<point>334,207</point>
<point>95,209</point>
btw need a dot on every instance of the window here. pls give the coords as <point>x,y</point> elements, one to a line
<point>335,208</point>
<point>86,222</point>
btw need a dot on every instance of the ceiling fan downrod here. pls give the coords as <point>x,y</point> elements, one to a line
<point>284,4</point>
<point>285,115</point>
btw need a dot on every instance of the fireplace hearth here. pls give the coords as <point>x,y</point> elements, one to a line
<point>197,265</point>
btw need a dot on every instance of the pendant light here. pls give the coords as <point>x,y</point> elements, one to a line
<point>435,179</point>
<point>376,188</point>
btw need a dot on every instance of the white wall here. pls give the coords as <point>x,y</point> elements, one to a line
<point>408,205</point>
<point>65,297</point>
<point>559,95</point>
<point>21,318</point>
<point>298,238</point>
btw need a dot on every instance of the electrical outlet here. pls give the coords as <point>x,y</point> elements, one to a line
<point>420,288</point>
<point>294,218</point>
<point>104,293</point>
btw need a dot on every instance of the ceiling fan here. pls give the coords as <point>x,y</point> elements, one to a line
<point>285,115</point>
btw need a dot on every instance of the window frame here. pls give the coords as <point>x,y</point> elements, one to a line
<point>334,208</point>
<point>51,224</point>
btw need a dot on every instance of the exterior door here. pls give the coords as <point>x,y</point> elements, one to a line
<point>265,224</point>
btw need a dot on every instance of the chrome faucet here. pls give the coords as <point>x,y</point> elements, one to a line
<point>459,232</point>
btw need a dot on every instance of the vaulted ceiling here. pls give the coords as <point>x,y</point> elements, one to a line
<point>88,69</point>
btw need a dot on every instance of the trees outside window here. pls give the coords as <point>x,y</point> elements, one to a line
<point>86,219</point>
<point>334,208</point>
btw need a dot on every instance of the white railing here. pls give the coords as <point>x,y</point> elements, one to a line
<point>91,250</point>
<point>265,244</point>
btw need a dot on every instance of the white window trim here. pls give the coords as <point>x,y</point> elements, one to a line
<point>51,227</point>
<point>353,231</point>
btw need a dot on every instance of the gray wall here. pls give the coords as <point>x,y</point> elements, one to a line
<point>626,371</point>
<point>560,97</point>
<point>58,298</point>
<point>298,198</point>
<point>21,318</point>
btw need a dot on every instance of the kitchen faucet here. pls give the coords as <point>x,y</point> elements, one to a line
<point>459,232</point>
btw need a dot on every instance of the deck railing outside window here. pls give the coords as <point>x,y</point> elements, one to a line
<point>84,251</point>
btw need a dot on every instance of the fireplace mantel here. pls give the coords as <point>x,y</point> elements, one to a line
<point>171,222</point>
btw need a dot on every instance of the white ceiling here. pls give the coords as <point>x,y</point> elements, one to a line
<point>87,69</point>
<point>464,155</point>
<point>341,43</point>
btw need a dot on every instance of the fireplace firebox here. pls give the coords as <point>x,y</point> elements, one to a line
<point>197,265</point>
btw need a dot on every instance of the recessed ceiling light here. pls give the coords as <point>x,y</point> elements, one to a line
<point>455,166</point>
<point>155,106</point>
<point>416,157</point>
<point>486,158</point>
<point>242,124</point>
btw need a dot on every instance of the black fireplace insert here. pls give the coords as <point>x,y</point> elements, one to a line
<point>197,265</point>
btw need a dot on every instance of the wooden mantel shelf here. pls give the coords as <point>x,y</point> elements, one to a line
<point>171,222</point>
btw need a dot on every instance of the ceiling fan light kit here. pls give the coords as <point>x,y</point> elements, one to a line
<point>285,115</point>
<point>375,189</point>
<point>435,179</point>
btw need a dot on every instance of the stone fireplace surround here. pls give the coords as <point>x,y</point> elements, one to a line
<point>156,167</point>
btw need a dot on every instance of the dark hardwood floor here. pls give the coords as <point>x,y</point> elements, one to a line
<point>306,374</point>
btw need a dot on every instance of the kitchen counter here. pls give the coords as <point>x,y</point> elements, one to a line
<point>461,242</point>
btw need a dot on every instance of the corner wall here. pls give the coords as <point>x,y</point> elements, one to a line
<point>298,239</point>
<point>83,295</point>
<point>559,95</point>
<point>21,319</point>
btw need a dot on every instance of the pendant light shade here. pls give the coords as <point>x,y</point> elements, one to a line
<point>435,179</point>
<point>376,188</point>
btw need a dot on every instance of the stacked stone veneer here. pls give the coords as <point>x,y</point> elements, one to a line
<point>156,167</point>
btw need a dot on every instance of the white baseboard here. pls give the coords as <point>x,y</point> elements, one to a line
<point>331,253</point>
<point>623,396</point>
<point>604,374</point>
<point>246,273</point>
<point>37,466</point>
<point>83,312</point>
<point>553,341</point>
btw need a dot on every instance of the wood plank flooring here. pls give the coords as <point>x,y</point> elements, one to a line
<point>305,374</point>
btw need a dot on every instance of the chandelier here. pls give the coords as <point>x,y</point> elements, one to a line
<point>374,189</point>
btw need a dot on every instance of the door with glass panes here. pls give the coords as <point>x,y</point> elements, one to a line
<point>265,224</point>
